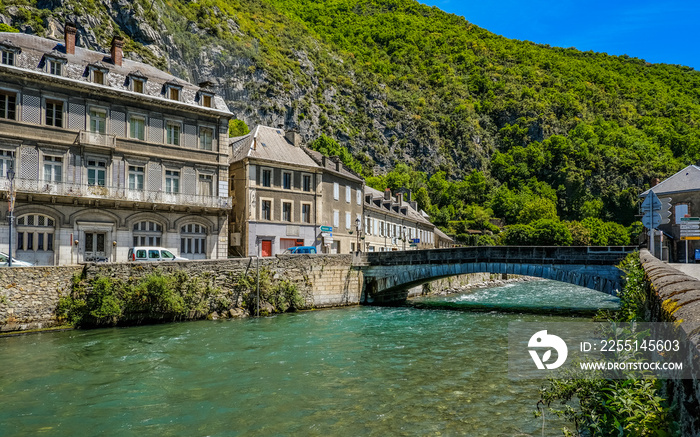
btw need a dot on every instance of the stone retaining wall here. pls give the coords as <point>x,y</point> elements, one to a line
<point>675,297</point>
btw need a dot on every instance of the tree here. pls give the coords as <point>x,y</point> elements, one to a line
<point>237,128</point>
<point>547,232</point>
<point>580,235</point>
<point>538,209</point>
<point>518,235</point>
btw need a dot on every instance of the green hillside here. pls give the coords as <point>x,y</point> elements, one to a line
<point>477,125</point>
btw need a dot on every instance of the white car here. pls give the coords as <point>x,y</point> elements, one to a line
<point>4,261</point>
<point>149,253</point>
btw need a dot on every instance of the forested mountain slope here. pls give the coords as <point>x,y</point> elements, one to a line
<point>396,82</point>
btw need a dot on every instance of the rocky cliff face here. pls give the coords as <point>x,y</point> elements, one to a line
<point>274,86</point>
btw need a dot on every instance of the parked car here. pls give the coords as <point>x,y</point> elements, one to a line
<point>152,254</point>
<point>300,249</point>
<point>4,261</point>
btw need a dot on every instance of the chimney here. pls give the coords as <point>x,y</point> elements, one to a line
<point>117,54</point>
<point>324,161</point>
<point>655,182</point>
<point>387,194</point>
<point>69,34</point>
<point>293,137</point>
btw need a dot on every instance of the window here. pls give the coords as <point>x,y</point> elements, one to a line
<point>336,191</point>
<point>359,196</point>
<point>206,100</point>
<point>147,233</point>
<point>137,85</point>
<point>306,182</point>
<point>287,211</point>
<point>172,131</point>
<point>54,113</point>
<point>368,228</point>
<point>172,181</point>
<point>98,77</point>
<point>286,180</point>
<point>173,93</point>
<point>8,105</point>
<point>35,232</point>
<point>53,169</point>
<point>336,218</point>
<point>266,178</point>
<point>306,213</point>
<point>348,193</point>
<point>55,68</point>
<point>137,127</point>
<point>266,206</point>
<point>8,58</point>
<point>98,121</point>
<point>348,224</point>
<point>193,239</point>
<point>6,162</point>
<point>205,138</point>
<point>136,176</point>
<point>205,184</point>
<point>97,171</point>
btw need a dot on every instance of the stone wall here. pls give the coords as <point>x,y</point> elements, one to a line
<point>675,297</point>
<point>29,295</point>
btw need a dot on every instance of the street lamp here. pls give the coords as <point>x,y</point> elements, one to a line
<point>11,210</point>
<point>358,223</point>
<point>404,238</point>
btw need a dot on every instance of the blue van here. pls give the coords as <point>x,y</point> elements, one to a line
<point>300,249</point>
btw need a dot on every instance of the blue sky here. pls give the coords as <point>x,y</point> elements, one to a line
<point>659,31</point>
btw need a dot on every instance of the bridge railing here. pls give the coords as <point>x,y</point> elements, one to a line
<point>603,255</point>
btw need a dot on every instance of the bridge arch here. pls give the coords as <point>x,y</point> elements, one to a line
<point>389,275</point>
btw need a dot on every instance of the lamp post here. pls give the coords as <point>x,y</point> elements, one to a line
<point>404,238</point>
<point>11,210</point>
<point>358,223</point>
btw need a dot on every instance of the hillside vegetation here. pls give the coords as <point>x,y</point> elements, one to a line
<point>477,125</point>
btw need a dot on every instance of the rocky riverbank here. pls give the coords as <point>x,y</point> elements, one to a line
<point>488,283</point>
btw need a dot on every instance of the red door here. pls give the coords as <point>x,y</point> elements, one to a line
<point>266,248</point>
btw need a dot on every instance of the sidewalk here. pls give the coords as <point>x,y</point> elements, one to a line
<point>689,269</point>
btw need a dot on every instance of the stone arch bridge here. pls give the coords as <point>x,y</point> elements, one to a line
<point>389,275</point>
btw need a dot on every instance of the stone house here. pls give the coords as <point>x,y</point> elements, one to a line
<point>107,153</point>
<point>276,192</point>
<point>684,190</point>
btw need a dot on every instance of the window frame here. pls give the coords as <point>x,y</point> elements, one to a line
<point>307,219</point>
<point>200,144</point>
<point>96,167</point>
<point>283,217</point>
<point>270,205</point>
<point>263,172</point>
<point>133,169</point>
<point>6,104</point>
<point>173,124</point>
<point>304,177</point>
<point>98,110</point>
<point>53,161</point>
<point>62,113</point>
<point>289,179</point>
<point>143,119</point>
<point>171,183</point>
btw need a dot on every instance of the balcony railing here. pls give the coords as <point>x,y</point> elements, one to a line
<point>97,139</point>
<point>115,193</point>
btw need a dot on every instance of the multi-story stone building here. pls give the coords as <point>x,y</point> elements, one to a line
<point>107,153</point>
<point>341,194</point>
<point>392,223</point>
<point>276,192</point>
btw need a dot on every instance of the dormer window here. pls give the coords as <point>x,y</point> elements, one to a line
<point>206,99</point>
<point>54,62</point>
<point>56,68</point>
<point>7,52</point>
<point>137,82</point>
<point>7,57</point>
<point>98,71</point>
<point>173,91</point>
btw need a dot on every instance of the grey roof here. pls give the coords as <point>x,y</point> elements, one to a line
<point>34,48</point>
<point>330,166</point>
<point>268,144</point>
<point>685,180</point>
<point>442,235</point>
<point>411,213</point>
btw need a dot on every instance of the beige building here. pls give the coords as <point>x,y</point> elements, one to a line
<point>276,192</point>
<point>341,193</point>
<point>107,153</point>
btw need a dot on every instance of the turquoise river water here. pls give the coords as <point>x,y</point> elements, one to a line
<point>346,372</point>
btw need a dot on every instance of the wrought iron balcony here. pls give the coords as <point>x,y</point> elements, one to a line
<point>97,139</point>
<point>115,193</point>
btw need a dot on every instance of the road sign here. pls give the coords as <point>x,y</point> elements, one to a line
<point>327,234</point>
<point>690,219</point>
<point>646,220</point>
<point>690,226</point>
<point>326,229</point>
<point>651,202</point>
<point>415,240</point>
<point>690,238</point>
<point>413,245</point>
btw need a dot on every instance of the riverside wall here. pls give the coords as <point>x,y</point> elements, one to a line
<point>29,295</point>
<point>675,297</point>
